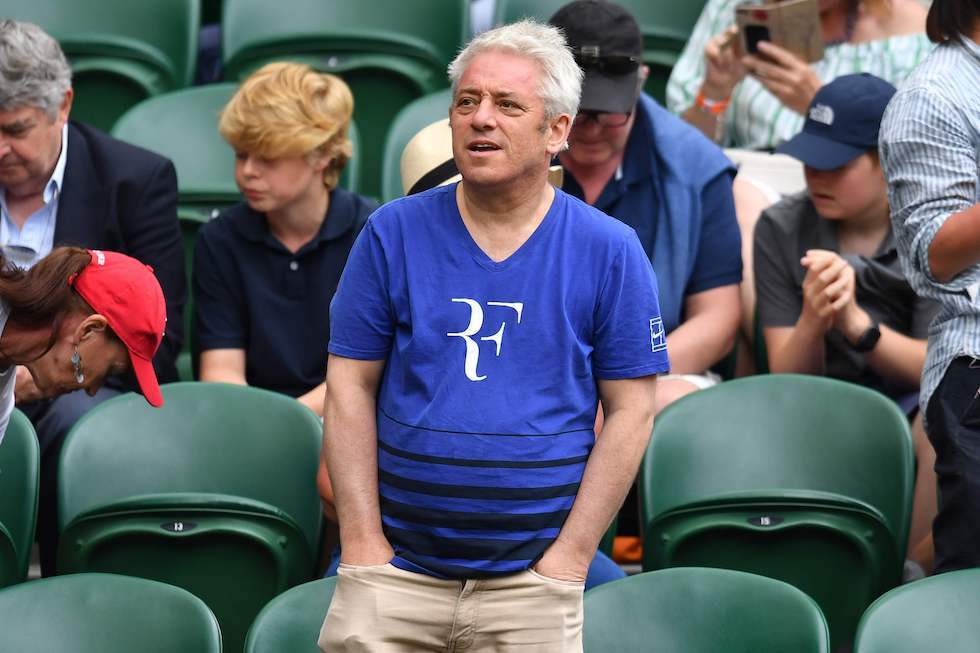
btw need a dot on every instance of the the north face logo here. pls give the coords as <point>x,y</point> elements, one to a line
<point>822,113</point>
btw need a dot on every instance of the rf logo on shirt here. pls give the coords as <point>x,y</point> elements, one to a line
<point>472,358</point>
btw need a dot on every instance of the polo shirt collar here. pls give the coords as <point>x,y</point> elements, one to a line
<point>338,221</point>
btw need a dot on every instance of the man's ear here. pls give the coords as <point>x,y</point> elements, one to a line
<point>65,109</point>
<point>558,131</point>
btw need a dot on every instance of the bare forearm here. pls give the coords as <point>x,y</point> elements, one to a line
<point>800,351</point>
<point>609,473</point>
<point>700,342</point>
<point>898,357</point>
<point>956,245</point>
<point>350,450</point>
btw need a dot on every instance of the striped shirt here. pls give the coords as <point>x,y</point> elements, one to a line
<point>930,151</point>
<point>755,118</point>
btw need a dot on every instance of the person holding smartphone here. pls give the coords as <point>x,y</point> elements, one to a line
<point>757,101</point>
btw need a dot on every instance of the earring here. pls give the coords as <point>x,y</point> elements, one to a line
<point>76,363</point>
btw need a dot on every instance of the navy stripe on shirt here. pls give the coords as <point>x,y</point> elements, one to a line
<point>469,491</point>
<point>473,520</point>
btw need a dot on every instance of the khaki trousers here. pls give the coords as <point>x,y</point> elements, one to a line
<point>384,609</point>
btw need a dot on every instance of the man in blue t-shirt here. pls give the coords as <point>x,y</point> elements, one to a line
<point>631,158</point>
<point>474,331</point>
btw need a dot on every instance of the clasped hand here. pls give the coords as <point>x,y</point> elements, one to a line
<point>829,299</point>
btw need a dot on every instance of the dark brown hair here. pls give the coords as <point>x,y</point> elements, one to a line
<point>951,19</point>
<point>42,295</point>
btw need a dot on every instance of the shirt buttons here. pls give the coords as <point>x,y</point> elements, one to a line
<point>293,265</point>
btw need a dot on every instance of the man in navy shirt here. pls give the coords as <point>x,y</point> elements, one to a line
<point>634,160</point>
<point>475,328</point>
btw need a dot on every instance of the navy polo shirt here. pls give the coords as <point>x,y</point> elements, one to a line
<point>252,293</point>
<point>631,196</point>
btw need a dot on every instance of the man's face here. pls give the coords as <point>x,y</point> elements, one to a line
<point>30,143</point>
<point>500,134</point>
<point>593,144</point>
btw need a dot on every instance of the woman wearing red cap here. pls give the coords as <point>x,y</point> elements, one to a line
<point>75,318</point>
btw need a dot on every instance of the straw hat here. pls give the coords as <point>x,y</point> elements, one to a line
<point>427,160</point>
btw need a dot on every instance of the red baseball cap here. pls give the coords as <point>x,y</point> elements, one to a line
<point>128,295</point>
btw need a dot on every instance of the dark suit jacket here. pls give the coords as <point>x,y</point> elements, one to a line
<point>119,197</point>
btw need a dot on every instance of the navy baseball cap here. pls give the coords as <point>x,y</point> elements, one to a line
<point>842,122</point>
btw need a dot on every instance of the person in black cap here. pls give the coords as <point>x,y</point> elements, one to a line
<point>632,159</point>
<point>832,297</point>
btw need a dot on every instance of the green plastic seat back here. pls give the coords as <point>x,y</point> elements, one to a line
<point>291,621</point>
<point>933,614</point>
<point>183,126</point>
<point>801,478</point>
<point>430,32</point>
<point>105,613</point>
<point>687,610</point>
<point>389,55</point>
<point>406,124</point>
<point>207,438</point>
<point>19,473</point>
<point>215,492</point>
<point>121,51</point>
<point>665,25</point>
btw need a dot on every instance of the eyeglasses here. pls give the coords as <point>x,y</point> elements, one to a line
<point>602,118</point>
<point>611,64</point>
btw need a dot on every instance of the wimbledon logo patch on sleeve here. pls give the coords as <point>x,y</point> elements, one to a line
<point>658,338</point>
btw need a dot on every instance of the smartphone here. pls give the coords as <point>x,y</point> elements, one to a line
<point>790,24</point>
<point>754,34</point>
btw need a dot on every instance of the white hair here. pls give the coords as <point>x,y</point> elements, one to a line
<point>33,69</point>
<point>560,85</point>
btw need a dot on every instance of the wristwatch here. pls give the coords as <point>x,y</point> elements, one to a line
<point>867,341</point>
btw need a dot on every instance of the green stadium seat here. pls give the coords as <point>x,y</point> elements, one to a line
<point>121,51</point>
<point>698,610</point>
<point>801,478</point>
<point>389,55</point>
<point>933,614</point>
<point>665,25</point>
<point>19,474</point>
<point>214,492</point>
<point>416,115</point>
<point>291,621</point>
<point>104,613</point>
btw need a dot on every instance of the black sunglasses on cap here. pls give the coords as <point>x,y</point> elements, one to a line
<point>588,57</point>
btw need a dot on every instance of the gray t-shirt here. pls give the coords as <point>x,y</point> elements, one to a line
<point>7,378</point>
<point>784,233</point>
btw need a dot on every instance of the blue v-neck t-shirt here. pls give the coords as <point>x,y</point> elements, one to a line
<point>488,399</point>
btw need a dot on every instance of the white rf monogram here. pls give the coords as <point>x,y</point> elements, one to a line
<point>476,323</point>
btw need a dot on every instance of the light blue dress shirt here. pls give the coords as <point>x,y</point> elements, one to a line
<point>25,246</point>
<point>930,151</point>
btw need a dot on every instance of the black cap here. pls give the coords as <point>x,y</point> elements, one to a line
<point>607,44</point>
<point>842,122</point>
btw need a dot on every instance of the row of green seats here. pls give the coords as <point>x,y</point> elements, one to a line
<point>683,610</point>
<point>803,479</point>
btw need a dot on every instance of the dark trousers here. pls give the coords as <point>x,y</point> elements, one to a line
<point>52,419</point>
<point>953,426</point>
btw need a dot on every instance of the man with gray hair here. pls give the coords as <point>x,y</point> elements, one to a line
<point>65,183</point>
<point>475,329</point>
